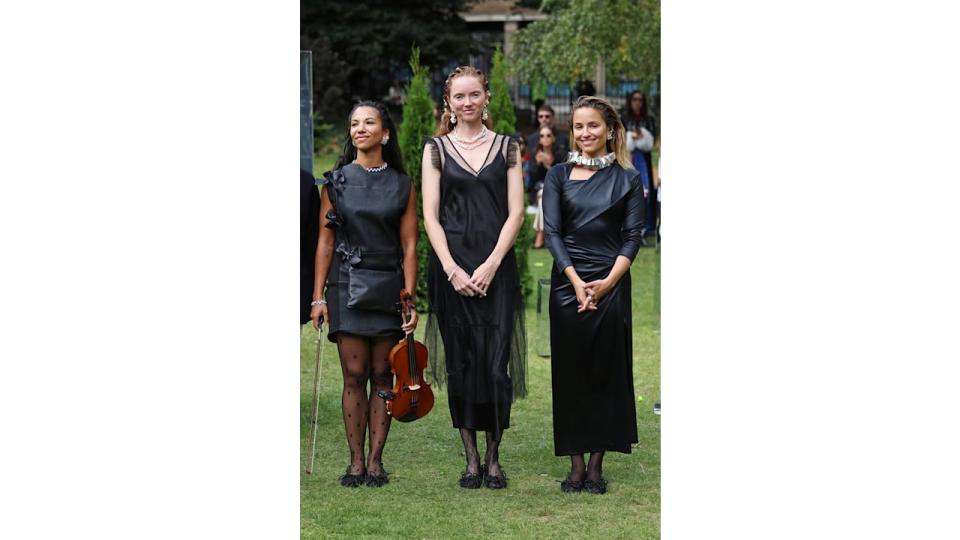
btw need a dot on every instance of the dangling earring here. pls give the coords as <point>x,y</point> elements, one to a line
<point>609,135</point>
<point>453,118</point>
<point>485,114</point>
<point>384,140</point>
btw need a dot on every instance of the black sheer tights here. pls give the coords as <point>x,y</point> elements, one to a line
<point>580,471</point>
<point>365,359</point>
<point>491,456</point>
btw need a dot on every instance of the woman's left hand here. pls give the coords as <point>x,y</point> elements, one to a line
<point>409,325</point>
<point>483,275</point>
<point>598,288</point>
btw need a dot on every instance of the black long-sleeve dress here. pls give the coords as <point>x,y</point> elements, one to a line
<point>588,224</point>
<point>481,355</point>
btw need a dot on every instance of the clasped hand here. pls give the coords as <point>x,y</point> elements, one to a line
<point>589,294</point>
<point>476,284</point>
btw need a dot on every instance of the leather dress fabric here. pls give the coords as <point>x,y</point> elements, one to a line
<point>588,224</point>
<point>367,208</point>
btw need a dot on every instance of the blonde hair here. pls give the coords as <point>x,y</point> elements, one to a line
<point>617,145</point>
<point>445,126</point>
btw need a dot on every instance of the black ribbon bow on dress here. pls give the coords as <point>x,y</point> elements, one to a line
<point>349,255</point>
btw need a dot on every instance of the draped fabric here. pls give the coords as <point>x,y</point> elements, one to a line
<point>588,224</point>
<point>481,351</point>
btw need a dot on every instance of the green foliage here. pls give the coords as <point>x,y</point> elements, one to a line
<point>419,121</point>
<point>501,106</point>
<point>624,34</point>
<point>521,248</point>
<point>356,45</point>
<point>505,121</point>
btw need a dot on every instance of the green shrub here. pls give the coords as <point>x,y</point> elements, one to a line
<point>419,121</point>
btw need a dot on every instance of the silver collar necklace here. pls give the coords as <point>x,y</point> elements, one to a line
<point>592,163</point>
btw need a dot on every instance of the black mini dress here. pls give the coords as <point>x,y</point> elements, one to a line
<point>365,218</point>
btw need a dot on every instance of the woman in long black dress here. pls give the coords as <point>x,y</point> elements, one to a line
<point>593,217</point>
<point>367,252</point>
<point>472,210</point>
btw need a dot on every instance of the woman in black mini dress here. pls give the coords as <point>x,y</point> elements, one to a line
<point>367,252</point>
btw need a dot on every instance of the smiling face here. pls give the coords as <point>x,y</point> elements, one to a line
<point>467,98</point>
<point>366,128</point>
<point>590,132</point>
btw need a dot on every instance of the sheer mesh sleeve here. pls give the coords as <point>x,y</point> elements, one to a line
<point>437,366</point>
<point>513,150</point>
<point>430,144</point>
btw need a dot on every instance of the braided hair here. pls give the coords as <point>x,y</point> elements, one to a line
<point>445,125</point>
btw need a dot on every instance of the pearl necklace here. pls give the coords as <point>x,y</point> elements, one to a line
<point>473,142</point>
<point>592,163</point>
<point>374,169</point>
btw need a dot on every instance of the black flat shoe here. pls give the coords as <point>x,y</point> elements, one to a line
<point>352,480</point>
<point>470,480</point>
<point>496,482</point>
<point>597,487</point>
<point>377,480</point>
<point>571,486</point>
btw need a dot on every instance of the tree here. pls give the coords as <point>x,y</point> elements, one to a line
<point>501,106</point>
<point>505,121</point>
<point>419,121</point>
<point>360,48</point>
<point>624,34</point>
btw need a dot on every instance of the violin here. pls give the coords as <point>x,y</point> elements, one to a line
<point>411,397</point>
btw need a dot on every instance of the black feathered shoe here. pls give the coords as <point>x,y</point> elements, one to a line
<point>571,486</point>
<point>352,480</point>
<point>597,487</point>
<point>377,480</point>
<point>470,480</point>
<point>496,482</point>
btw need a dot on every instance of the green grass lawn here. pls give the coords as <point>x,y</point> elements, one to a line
<point>425,458</point>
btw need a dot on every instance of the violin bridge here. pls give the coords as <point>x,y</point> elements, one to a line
<point>413,387</point>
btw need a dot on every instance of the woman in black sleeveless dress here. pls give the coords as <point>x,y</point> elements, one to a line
<point>593,218</point>
<point>473,208</point>
<point>367,252</point>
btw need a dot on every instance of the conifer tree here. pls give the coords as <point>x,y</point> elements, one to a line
<point>419,122</point>
<point>505,122</point>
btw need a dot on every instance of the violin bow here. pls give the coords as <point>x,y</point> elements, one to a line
<point>316,398</point>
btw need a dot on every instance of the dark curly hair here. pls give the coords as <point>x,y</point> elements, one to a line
<point>391,150</point>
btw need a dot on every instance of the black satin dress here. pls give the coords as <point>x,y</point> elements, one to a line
<point>483,351</point>
<point>588,224</point>
<point>365,218</point>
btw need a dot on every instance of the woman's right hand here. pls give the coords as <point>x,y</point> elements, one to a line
<point>318,313</point>
<point>461,283</point>
<point>585,301</point>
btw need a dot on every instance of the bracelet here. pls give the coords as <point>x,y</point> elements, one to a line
<point>452,270</point>
<point>317,302</point>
